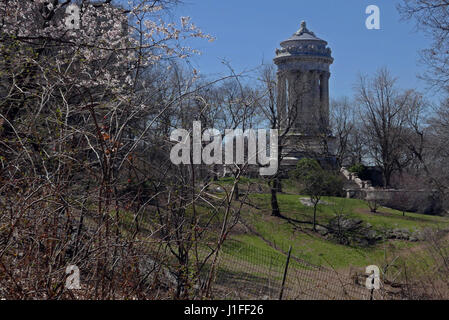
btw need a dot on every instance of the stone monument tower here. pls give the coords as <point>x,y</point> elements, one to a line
<point>303,97</point>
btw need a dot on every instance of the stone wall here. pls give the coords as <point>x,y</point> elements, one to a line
<point>422,201</point>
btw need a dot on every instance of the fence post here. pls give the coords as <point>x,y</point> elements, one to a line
<point>285,273</point>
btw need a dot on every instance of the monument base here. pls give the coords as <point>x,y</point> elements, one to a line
<point>316,147</point>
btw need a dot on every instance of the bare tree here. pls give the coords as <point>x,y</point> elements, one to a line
<point>342,123</point>
<point>85,116</point>
<point>278,120</point>
<point>432,17</point>
<point>385,113</point>
<point>357,146</point>
<point>434,151</point>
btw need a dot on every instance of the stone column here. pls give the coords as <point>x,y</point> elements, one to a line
<point>299,98</point>
<point>292,98</point>
<point>325,97</point>
<point>304,101</point>
<point>281,99</point>
<point>315,107</point>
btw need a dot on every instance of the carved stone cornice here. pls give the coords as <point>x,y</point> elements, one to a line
<point>303,64</point>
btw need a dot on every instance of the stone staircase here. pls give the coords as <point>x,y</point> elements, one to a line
<point>354,186</point>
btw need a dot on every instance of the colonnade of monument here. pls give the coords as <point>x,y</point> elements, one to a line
<point>303,99</point>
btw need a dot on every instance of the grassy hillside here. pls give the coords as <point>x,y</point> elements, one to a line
<point>267,232</point>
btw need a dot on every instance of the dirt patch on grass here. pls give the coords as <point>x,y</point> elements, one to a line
<point>239,229</point>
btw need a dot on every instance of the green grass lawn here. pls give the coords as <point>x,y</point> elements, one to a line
<point>250,253</point>
<point>385,218</point>
<point>315,249</point>
<point>243,180</point>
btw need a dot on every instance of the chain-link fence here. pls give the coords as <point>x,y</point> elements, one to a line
<point>250,272</point>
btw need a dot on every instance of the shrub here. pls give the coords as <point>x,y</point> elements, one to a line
<point>316,182</point>
<point>360,170</point>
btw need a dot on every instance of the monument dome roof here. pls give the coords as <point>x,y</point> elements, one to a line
<point>303,34</point>
<point>303,44</point>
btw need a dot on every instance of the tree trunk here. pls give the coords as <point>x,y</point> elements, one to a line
<point>314,216</point>
<point>277,185</point>
<point>236,192</point>
<point>387,177</point>
<point>274,202</point>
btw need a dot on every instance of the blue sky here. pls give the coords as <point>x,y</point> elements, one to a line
<point>249,31</point>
